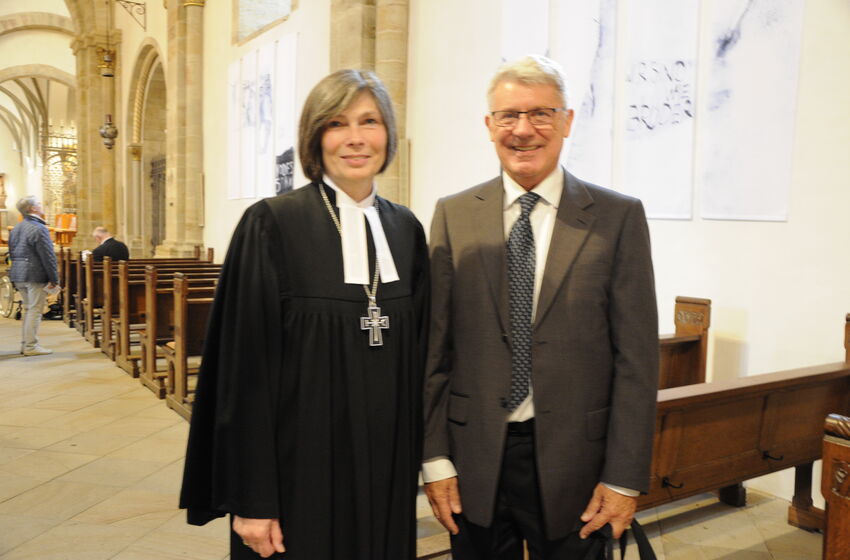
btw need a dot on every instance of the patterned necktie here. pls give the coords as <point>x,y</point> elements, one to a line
<point>520,253</point>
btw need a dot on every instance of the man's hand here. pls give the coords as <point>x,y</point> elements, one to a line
<point>263,536</point>
<point>445,500</point>
<point>608,506</point>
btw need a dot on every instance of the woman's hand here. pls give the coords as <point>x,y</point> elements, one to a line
<point>263,536</point>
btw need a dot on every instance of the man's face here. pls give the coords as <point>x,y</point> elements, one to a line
<point>528,153</point>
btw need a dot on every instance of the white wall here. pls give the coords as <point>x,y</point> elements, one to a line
<point>311,21</point>
<point>454,48</point>
<point>779,290</point>
<point>37,46</point>
<point>16,174</point>
<point>15,6</point>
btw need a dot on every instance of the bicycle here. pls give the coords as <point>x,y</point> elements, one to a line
<point>9,296</point>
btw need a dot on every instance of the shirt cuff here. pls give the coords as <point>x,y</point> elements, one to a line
<point>437,468</point>
<point>624,491</point>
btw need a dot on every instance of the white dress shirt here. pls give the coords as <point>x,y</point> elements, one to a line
<point>542,218</point>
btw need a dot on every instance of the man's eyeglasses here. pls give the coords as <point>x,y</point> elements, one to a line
<point>544,116</point>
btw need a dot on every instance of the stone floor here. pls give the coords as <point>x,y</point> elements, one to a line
<point>90,467</point>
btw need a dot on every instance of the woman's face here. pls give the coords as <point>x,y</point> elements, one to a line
<point>354,144</point>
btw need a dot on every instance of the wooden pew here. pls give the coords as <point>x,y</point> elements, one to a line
<point>69,287</point>
<point>192,307</point>
<point>835,487</point>
<point>60,266</point>
<point>92,302</point>
<point>682,356</point>
<point>111,315</point>
<point>159,324</point>
<point>711,435</point>
<point>130,317</point>
<point>110,308</point>
<point>79,294</point>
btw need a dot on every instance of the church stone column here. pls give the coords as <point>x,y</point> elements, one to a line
<point>352,34</point>
<point>373,35</point>
<point>96,171</point>
<point>391,38</point>
<point>133,201</point>
<point>184,145</point>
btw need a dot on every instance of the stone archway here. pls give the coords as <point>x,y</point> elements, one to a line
<point>20,21</point>
<point>146,116</point>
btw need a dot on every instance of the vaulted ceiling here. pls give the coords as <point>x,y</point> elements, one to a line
<point>35,91</point>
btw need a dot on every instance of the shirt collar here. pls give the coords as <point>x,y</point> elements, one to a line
<point>549,189</point>
<point>342,199</point>
<point>36,218</point>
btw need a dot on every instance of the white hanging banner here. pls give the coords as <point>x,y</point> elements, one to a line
<point>263,155</point>
<point>248,124</point>
<point>660,83</point>
<point>747,135</point>
<point>285,124</point>
<point>234,134</point>
<point>584,43</point>
<point>261,121</point>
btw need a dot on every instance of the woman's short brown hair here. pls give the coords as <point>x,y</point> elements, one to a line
<point>329,98</point>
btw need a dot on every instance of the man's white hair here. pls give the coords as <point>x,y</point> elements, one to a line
<point>530,69</point>
<point>26,204</point>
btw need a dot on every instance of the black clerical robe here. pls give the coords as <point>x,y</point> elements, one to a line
<point>296,417</point>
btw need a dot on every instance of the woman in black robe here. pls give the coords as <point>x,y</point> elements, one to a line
<point>305,429</point>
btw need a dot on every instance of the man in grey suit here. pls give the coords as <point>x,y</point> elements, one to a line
<point>33,270</point>
<point>542,368</point>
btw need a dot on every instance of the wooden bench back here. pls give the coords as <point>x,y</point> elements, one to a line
<point>192,305</point>
<point>710,435</point>
<point>159,302</point>
<point>69,285</point>
<point>683,356</point>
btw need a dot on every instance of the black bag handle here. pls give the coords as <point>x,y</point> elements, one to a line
<point>645,551</point>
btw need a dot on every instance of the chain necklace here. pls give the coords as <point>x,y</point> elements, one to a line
<point>373,322</point>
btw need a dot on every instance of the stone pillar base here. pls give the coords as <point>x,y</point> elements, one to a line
<point>137,248</point>
<point>175,249</point>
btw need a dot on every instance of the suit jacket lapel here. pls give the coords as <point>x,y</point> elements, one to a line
<point>490,237</point>
<point>571,228</point>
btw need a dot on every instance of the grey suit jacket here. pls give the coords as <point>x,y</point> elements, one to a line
<point>594,349</point>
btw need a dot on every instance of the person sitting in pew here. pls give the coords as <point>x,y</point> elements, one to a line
<point>108,246</point>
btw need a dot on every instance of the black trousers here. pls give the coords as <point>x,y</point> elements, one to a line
<point>519,514</point>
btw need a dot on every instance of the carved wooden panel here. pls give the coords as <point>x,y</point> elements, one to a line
<point>682,357</point>
<point>835,487</point>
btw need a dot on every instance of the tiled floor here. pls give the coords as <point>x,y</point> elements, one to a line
<point>90,467</point>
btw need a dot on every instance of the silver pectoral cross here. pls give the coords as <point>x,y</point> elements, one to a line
<point>374,322</point>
